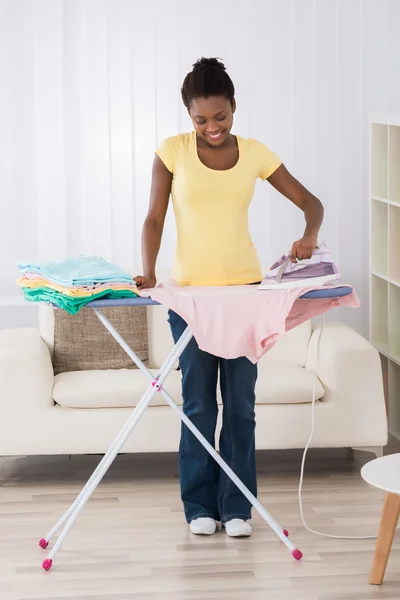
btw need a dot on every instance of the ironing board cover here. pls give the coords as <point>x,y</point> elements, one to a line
<point>335,292</point>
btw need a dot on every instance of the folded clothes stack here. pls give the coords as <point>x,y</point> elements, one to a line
<point>72,283</point>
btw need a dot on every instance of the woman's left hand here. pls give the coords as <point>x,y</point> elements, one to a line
<point>303,248</point>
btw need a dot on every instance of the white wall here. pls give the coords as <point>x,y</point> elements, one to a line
<point>89,87</point>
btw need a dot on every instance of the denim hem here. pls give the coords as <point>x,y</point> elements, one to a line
<point>230,517</point>
<point>202,516</point>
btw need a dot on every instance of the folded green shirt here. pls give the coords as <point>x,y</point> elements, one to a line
<point>71,304</point>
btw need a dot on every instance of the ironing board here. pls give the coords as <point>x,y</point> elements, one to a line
<point>156,386</point>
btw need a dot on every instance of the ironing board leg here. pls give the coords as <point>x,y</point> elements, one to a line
<point>275,526</point>
<point>101,466</point>
<point>72,513</point>
<point>74,510</point>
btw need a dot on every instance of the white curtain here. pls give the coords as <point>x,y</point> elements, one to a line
<point>88,88</point>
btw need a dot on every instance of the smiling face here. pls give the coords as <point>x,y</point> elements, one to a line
<point>212,118</point>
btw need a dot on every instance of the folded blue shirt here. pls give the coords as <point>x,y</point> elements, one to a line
<point>83,270</point>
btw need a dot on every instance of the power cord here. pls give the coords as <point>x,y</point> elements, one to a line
<point>300,491</point>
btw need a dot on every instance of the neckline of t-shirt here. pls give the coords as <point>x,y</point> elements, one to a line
<point>238,141</point>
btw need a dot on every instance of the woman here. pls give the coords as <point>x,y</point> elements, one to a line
<point>211,174</point>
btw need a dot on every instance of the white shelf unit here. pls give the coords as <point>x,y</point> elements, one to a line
<point>384,215</point>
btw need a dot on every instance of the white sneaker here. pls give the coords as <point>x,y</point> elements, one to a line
<point>203,526</point>
<point>238,528</point>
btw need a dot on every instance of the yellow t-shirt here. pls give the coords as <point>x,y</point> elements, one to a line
<point>214,246</point>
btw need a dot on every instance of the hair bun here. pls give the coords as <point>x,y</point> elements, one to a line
<point>207,63</point>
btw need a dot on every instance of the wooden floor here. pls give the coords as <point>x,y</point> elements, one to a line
<point>131,541</point>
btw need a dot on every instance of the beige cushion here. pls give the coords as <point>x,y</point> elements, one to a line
<point>291,349</point>
<point>46,325</point>
<point>82,343</point>
<point>159,333</point>
<point>115,389</point>
<point>281,384</point>
<point>109,389</point>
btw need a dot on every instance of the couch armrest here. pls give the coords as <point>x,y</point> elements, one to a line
<point>349,366</point>
<point>26,371</point>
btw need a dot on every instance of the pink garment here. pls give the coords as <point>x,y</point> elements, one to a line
<point>242,320</point>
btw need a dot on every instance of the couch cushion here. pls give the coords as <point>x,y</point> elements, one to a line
<point>109,389</point>
<point>160,341</point>
<point>281,384</point>
<point>124,388</point>
<point>291,349</point>
<point>46,325</point>
<point>82,343</point>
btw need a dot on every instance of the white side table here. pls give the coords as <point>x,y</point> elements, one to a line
<point>384,473</point>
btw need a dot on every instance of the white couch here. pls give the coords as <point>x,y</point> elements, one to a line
<point>81,412</point>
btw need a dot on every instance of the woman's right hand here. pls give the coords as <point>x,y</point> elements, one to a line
<point>144,283</point>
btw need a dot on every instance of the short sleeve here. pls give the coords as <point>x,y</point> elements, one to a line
<point>166,152</point>
<point>267,160</point>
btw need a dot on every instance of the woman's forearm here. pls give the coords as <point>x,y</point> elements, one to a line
<point>314,215</point>
<point>151,242</point>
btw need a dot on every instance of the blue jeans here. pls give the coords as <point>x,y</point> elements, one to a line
<point>206,490</point>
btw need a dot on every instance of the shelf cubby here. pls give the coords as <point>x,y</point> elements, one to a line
<point>394,164</point>
<point>379,160</point>
<point>379,316</point>
<point>379,233</point>
<point>394,320</point>
<point>394,243</point>
<point>394,396</point>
